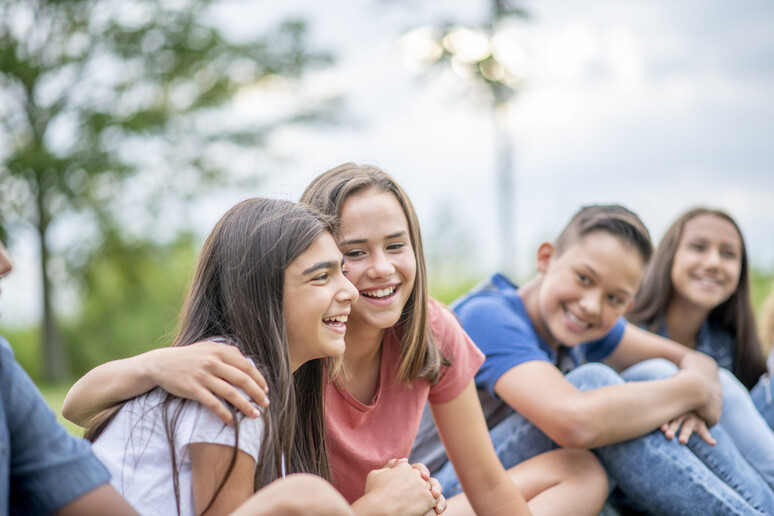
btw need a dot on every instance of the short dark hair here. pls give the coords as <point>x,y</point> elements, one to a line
<point>610,218</point>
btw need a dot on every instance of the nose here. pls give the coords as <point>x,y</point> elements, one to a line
<point>591,303</point>
<point>713,258</point>
<point>347,292</point>
<point>381,266</point>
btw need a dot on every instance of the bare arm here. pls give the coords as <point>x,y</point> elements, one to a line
<point>296,495</point>
<point>201,371</point>
<point>576,419</point>
<point>463,430</point>
<point>97,502</point>
<point>637,345</point>
<point>209,463</point>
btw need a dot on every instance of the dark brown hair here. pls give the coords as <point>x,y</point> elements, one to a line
<point>734,315</point>
<point>237,295</point>
<point>610,218</point>
<point>420,356</point>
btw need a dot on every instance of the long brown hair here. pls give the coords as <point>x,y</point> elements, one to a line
<point>420,356</point>
<point>237,295</point>
<point>735,315</point>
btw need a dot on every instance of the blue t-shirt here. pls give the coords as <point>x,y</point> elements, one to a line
<point>493,315</point>
<point>42,466</point>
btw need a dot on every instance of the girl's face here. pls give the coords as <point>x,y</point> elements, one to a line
<point>317,299</point>
<point>374,237</point>
<point>708,262</point>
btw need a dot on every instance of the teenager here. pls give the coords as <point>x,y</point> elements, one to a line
<point>404,349</point>
<point>270,283</point>
<point>542,386</point>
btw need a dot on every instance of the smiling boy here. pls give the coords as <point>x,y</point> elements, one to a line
<point>539,389</point>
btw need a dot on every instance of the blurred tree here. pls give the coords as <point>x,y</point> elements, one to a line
<point>488,57</point>
<point>94,92</point>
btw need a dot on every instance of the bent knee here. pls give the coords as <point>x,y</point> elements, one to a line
<point>593,375</point>
<point>652,369</point>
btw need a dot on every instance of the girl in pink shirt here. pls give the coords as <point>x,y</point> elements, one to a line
<point>402,350</point>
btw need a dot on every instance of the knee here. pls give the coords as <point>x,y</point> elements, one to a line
<point>653,369</point>
<point>593,375</point>
<point>732,387</point>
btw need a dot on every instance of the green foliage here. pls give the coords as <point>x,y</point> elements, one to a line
<point>761,285</point>
<point>132,296</point>
<point>26,346</point>
<point>93,93</point>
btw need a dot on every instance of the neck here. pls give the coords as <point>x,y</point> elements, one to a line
<point>364,346</point>
<point>529,296</point>
<point>683,321</point>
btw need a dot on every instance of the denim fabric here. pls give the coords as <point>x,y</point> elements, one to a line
<point>663,477</point>
<point>42,467</point>
<point>762,395</point>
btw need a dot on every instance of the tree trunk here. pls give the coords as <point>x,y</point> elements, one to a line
<point>55,368</point>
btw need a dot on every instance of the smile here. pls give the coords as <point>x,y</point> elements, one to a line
<point>576,321</point>
<point>380,293</point>
<point>338,321</point>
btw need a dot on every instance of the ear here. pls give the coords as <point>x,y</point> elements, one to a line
<point>544,254</point>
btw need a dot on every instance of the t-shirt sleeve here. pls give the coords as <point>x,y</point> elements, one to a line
<point>455,344</point>
<point>49,468</point>
<point>198,424</point>
<point>505,336</point>
<point>599,350</point>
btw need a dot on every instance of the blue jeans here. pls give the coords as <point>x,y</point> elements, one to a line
<point>762,395</point>
<point>661,476</point>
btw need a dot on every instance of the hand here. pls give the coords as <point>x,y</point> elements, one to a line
<point>435,488</point>
<point>691,423</point>
<point>707,370</point>
<point>205,370</point>
<point>399,488</point>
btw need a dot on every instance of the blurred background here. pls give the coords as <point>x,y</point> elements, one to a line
<point>129,127</point>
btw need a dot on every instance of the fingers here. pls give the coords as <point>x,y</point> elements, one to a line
<point>423,471</point>
<point>703,432</point>
<point>435,488</point>
<point>394,462</point>
<point>672,427</point>
<point>440,507</point>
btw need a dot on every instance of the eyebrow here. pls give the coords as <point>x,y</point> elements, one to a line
<point>397,234</point>
<point>321,265</point>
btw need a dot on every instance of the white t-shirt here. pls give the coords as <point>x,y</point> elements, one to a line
<point>135,449</point>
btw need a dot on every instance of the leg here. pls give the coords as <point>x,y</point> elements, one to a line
<point>741,421</point>
<point>763,398</point>
<point>725,461</point>
<point>296,495</point>
<point>557,482</point>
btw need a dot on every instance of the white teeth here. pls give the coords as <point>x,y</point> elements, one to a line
<point>575,320</point>
<point>379,293</point>
<point>339,319</point>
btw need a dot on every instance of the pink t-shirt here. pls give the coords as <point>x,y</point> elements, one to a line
<point>361,437</point>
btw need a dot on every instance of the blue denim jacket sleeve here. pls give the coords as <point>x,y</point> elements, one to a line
<point>42,466</point>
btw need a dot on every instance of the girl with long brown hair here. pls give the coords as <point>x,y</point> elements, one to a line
<point>405,349</point>
<point>269,284</point>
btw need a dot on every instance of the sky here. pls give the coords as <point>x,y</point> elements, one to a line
<point>658,105</point>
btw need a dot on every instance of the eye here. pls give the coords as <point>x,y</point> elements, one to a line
<point>354,254</point>
<point>585,280</point>
<point>696,247</point>
<point>321,277</point>
<point>729,254</point>
<point>616,300</point>
<point>397,246</point>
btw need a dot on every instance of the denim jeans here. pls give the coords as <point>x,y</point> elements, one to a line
<point>661,476</point>
<point>762,395</point>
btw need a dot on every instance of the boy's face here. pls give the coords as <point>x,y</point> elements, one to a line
<point>585,289</point>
